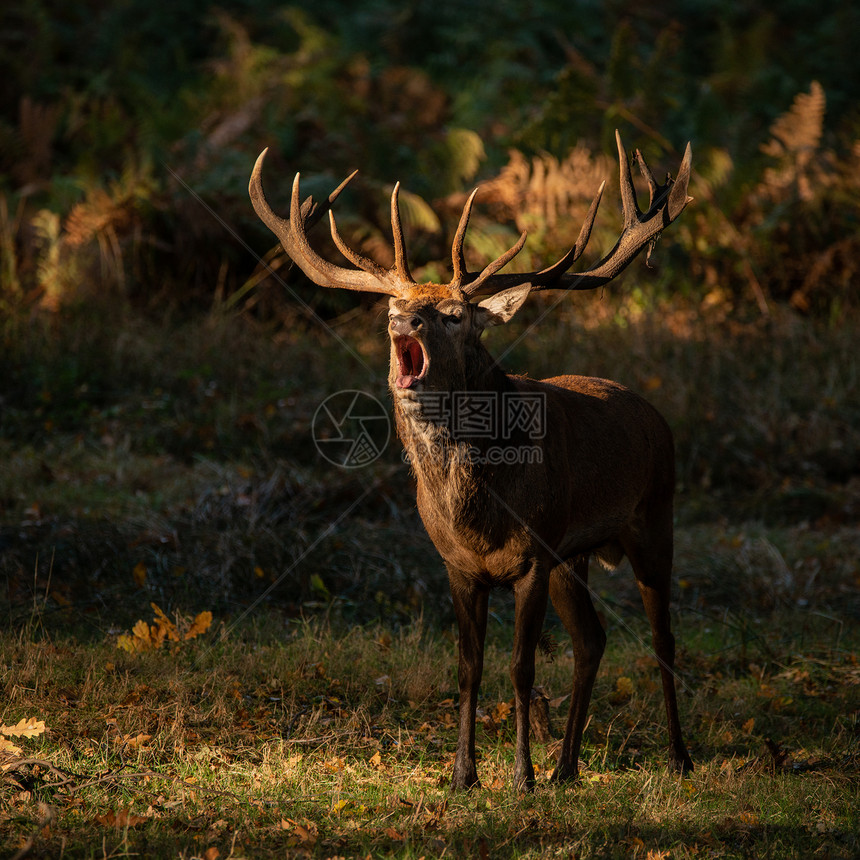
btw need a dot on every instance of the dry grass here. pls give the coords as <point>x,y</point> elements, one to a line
<point>309,741</point>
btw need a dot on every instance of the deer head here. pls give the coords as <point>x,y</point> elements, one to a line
<point>435,328</point>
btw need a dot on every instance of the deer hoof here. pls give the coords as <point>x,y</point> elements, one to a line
<point>465,780</point>
<point>681,763</point>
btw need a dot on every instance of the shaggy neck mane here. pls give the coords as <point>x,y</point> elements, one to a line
<point>435,445</point>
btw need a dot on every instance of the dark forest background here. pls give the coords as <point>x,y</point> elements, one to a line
<point>162,362</point>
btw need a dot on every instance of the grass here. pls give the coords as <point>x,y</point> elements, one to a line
<point>170,462</point>
<point>306,740</point>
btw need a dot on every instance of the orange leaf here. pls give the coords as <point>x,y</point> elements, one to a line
<point>134,741</point>
<point>126,818</point>
<point>142,633</point>
<point>123,818</point>
<point>502,711</point>
<point>200,625</point>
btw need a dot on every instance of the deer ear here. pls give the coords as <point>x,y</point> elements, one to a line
<point>499,308</point>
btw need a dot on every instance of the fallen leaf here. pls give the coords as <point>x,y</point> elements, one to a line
<point>376,759</point>
<point>301,833</point>
<point>200,625</point>
<point>133,741</point>
<point>9,747</point>
<point>123,818</point>
<point>24,728</point>
<point>501,712</point>
<point>339,805</point>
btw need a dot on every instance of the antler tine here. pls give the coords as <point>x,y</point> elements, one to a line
<point>312,213</point>
<point>362,262</point>
<point>401,264</point>
<point>300,237</point>
<point>678,198</point>
<point>645,170</point>
<point>458,259</point>
<point>292,234</point>
<point>629,206</point>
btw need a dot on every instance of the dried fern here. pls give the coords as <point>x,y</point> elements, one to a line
<point>794,142</point>
<point>544,189</point>
<point>49,269</point>
<point>108,217</point>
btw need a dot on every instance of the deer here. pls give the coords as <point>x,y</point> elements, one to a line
<point>504,501</point>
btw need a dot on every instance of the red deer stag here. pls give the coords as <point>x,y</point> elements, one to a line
<point>505,501</point>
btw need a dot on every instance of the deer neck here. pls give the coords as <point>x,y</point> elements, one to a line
<point>432,424</point>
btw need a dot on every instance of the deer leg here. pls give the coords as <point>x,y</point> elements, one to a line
<point>530,593</point>
<point>470,605</point>
<point>572,601</point>
<point>653,569</point>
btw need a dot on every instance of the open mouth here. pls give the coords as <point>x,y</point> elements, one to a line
<point>411,365</point>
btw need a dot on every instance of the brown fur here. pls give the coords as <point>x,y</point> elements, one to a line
<point>603,485</point>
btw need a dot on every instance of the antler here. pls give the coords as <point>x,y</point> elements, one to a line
<point>666,202</point>
<point>640,228</point>
<point>369,277</point>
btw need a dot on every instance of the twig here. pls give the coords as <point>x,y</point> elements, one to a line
<point>28,762</point>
